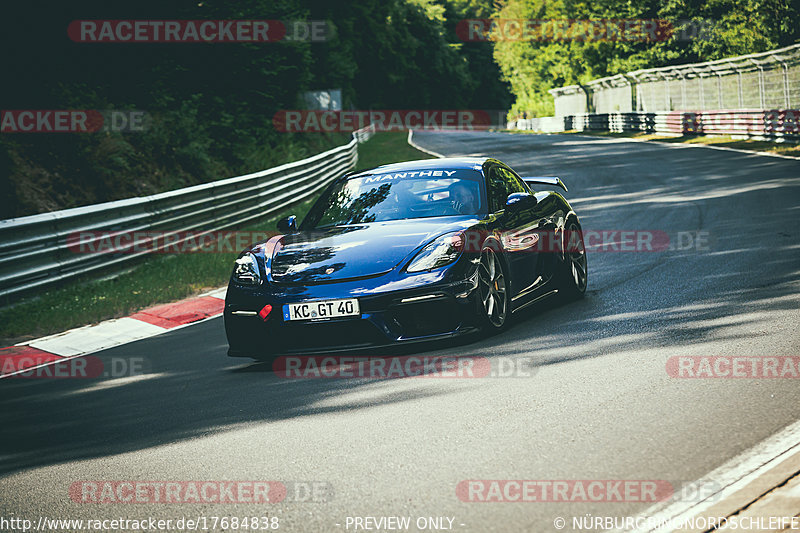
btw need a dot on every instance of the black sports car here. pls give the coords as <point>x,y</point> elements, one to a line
<point>406,252</point>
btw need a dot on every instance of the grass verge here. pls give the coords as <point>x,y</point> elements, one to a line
<point>388,147</point>
<point>162,278</point>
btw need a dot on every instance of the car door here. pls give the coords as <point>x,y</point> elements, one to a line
<point>518,230</point>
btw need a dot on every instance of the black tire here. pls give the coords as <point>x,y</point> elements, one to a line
<point>573,271</point>
<point>493,308</point>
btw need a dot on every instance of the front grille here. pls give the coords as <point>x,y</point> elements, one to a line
<point>309,336</point>
<point>425,318</point>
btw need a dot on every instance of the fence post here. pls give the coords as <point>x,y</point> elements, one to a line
<point>667,96</point>
<point>760,86</point>
<point>785,84</point>
<point>739,81</point>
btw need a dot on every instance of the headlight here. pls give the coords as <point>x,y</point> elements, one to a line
<point>246,270</point>
<point>439,253</point>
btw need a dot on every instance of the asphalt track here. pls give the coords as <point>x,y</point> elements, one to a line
<point>598,403</point>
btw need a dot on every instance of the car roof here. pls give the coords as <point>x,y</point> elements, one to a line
<point>420,164</point>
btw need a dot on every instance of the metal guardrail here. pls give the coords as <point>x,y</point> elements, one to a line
<point>364,134</point>
<point>35,250</point>
<point>771,124</point>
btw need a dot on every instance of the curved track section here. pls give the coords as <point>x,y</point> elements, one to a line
<point>598,402</point>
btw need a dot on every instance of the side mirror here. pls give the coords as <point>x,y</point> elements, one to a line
<point>288,224</point>
<point>517,201</point>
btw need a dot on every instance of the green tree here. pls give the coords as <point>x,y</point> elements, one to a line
<point>704,30</point>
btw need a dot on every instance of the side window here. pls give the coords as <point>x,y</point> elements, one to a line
<point>502,182</point>
<point>513,183</point>
<point>496,189</point>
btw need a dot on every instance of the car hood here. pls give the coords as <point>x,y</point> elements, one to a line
<point>342,253</point>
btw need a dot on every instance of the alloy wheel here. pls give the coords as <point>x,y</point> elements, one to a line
<point>492,288</point>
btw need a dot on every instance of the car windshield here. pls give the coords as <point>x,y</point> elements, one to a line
<point>399,195</point>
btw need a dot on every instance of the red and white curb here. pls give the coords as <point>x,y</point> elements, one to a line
<point>89,339</point>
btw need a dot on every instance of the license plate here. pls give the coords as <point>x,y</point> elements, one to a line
<point>321,309</point>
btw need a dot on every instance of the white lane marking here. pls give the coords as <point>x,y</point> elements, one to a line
<point>730,477</point>
<point>794,492</point>
<point>420,148</point>
<point>216,293</point>
<point>50,363</point>
<point>93,338</point>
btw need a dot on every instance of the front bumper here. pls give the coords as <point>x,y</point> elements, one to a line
<point>429,308</point>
